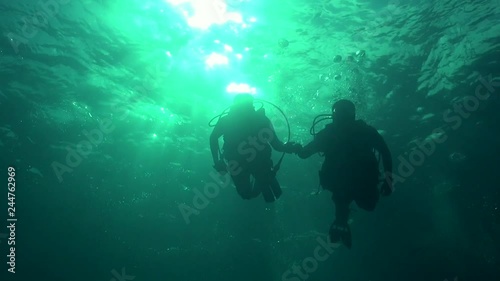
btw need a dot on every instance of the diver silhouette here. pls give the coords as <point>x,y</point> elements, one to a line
<point>350,169</point>
<point>248,137</point>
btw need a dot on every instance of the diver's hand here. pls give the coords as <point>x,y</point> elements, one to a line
<point>292,147</point>
<point>220,166</point>
<point>387,188</point>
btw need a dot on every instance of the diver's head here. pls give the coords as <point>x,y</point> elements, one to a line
<point>243,102</point>
<point>343,111</point>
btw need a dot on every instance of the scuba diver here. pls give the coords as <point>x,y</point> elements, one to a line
<point>248,138</point>
<point>351,168</point>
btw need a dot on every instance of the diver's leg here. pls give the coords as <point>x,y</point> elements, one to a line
<point>273,181</point>
<point>339,230</point>
<point>243,184</point>
<point>367,194</point>
<point>342,197</point>
<point>265,180</point>
<point>342,210</point>
<point>369,199</point>
<point>256,189</point>
<point>271,189</point>
<point>262,183</point>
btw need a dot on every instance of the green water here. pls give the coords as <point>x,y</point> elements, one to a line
<point>104,111</point>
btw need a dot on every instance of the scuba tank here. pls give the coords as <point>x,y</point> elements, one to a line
<point>261,110</point>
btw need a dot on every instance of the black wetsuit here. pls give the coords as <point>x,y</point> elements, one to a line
<point>248,153</point>
<point>350,170</point>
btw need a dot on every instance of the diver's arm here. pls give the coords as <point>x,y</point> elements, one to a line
<point>214,142</point>
<point>308,150</point>
<point>383,149</point>
<point>315,146</point>
<point>278,145</point>
<point>275,142</point>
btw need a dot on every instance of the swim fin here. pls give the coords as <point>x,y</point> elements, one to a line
<point>341,232</point>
